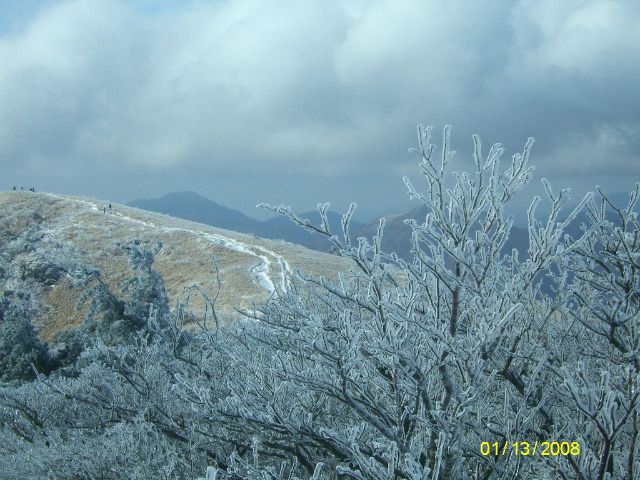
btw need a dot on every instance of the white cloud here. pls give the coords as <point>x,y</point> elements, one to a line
<point>317,88</point>
<point>599,38</point>
<point>608,149</point>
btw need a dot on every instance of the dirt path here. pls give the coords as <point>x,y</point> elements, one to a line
<point>271,272</point>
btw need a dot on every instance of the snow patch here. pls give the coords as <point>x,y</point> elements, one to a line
<point>262,271</point>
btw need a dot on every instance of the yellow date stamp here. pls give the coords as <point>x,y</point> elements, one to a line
<point>525,448</point>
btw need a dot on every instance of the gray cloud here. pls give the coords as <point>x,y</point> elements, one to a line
<point>300,102</point>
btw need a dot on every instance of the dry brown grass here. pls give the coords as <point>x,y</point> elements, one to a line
<point>62,315</point>
<point>185,259</point>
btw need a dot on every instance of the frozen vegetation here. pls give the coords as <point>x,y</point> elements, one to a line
<point>453,365</point>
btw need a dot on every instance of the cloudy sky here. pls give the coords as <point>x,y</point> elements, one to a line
<point>298,102</point>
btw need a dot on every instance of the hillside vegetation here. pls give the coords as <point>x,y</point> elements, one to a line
<point>455,364</point>
<point>45,237</point>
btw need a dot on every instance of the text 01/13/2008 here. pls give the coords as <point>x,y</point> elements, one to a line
<point>526,448</point>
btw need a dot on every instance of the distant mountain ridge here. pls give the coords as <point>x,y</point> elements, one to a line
<point>194,207</point>
<point>397,235</point>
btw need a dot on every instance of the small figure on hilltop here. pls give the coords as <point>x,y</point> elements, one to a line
<point>14,188</point>
<point>21,188</point>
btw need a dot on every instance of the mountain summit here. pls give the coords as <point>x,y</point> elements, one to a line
<point>195,207</point>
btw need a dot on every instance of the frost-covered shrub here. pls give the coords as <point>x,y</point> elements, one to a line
<point>70,345</point>
<point>35,267</point>
<point>146,288</point>
<point>105,423</point>
<point>5,265</point>
<point>419,369</point>
<point>20,349</point>
<point>28,237</point>
<point>6,236</point>
<point>116,318</point>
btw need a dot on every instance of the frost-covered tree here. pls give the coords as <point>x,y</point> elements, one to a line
<point>403,369</point>
<point>601,374</point>
<point>454,365</point>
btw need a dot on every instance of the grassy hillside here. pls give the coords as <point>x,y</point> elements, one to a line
<point>72,229</point>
